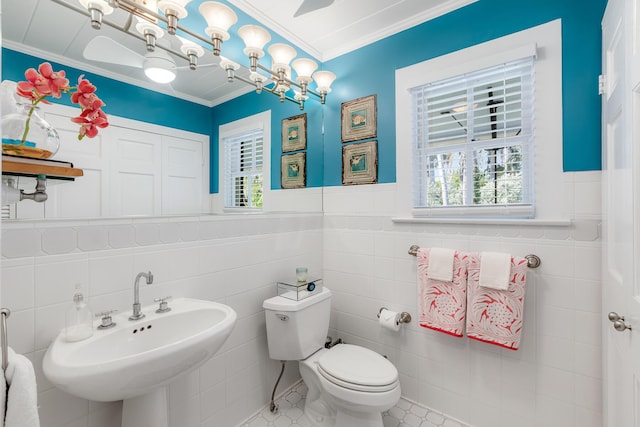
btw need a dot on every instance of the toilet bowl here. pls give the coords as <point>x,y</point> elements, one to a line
<point>348,385</point>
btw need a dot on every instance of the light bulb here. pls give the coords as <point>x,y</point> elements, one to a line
<point>219,18</point>
<point>304,69</point>
<point>281,54</point>
<point>254,39</point>
<point>323,80</point>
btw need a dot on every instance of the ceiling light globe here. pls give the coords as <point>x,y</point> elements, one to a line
<point>254,38</point>
<point>323,80</point>
<point>304,68</point>
<point>159,67</point>
<point>219,18</point>
<point>160,75</point>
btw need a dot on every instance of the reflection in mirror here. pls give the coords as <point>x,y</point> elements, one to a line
<point>159,156</point>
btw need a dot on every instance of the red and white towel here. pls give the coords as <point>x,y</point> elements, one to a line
<point>442,304</point>
<point>495,316</point>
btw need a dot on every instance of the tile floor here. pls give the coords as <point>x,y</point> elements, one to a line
<point>291,404</point>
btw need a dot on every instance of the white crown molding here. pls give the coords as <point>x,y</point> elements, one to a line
<point>343,48</point>
<point>397,27</point>
<point>256,14</point>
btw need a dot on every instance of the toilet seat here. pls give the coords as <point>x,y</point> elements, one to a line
<point>358,368</point>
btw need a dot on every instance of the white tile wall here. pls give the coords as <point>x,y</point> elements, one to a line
<point>554,379</point>
<point>237,263</point>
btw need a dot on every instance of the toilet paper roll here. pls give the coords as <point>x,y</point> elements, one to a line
<point>389,319</point>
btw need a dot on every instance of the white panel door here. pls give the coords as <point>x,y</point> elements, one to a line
<point>621,201</point>
<point>135,172</point>
<point>181,176</point>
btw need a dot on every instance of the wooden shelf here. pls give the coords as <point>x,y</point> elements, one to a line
<point>53,169</point>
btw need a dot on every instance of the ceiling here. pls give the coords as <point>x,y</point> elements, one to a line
<point>45,28</point>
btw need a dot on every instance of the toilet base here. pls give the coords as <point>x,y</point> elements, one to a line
<point>319,413</point>
<point>371,419</point>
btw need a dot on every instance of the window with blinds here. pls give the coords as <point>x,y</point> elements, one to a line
<point>243,170</point>
<point>473,139</point>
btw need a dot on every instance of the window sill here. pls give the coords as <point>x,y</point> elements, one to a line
<point>486,221</point>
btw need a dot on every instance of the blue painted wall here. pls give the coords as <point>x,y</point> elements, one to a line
<point>121,99</point>
<point>371,70</point>
<point>253,103</point>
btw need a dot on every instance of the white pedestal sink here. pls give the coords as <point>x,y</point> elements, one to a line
<point>134,360</point>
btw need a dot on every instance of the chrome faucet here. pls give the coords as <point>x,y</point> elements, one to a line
<point>137,314</point>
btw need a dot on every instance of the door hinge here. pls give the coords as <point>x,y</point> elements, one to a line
<point>602,81</point>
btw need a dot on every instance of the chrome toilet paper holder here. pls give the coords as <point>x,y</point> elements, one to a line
<point>404,316</point>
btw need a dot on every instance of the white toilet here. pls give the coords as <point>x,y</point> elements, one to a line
<point>349,386</point>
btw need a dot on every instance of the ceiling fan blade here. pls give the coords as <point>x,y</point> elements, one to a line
<point>311,5</point>
<point>105,49</point>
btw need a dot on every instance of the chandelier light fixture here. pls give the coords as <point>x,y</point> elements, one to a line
<point>276,79</point>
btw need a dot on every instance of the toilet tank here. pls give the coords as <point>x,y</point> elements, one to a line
<point>297,329</point>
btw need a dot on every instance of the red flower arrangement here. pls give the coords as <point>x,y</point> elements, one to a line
<point>45,82</point>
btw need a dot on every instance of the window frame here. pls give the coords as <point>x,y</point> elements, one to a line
<point>433,135</point>
<point>547,156</point>
<point>255,139</point>
<point>260,121</point>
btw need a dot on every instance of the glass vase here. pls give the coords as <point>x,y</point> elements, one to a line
<point>25,133</point>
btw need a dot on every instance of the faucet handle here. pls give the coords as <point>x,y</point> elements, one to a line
<point>107,320</point>
<point>164,305</point>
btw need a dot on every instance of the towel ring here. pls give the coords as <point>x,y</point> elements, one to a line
<point>4,313</point>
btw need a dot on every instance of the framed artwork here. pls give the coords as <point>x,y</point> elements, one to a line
<point>360,163</point>
<point>294,133</point>
<point>293,170</point>
<point>359,119</point>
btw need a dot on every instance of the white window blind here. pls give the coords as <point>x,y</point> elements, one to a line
<point>243,166</point>
<point>473,140</point>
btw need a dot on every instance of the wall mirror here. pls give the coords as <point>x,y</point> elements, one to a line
<point>137,168</point>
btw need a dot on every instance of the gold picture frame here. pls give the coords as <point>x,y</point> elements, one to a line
<point>293,171</point>
<point>360,163</point>
<point>359,119</point>
<point>294,133</point>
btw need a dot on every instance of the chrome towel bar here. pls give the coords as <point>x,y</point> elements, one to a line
<point>4,313</point>
<point>533,261</point>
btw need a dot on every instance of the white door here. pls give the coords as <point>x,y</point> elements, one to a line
<point>621,202</point>
<point>136,172</point>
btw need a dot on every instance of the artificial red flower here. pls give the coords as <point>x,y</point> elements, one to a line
<point>46,82</point>
<point>85,94</point>
<point>90,121</point>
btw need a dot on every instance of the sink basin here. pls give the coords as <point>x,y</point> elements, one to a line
<point>135,357</point>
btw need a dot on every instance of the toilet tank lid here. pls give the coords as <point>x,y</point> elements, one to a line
<point>279,303</point>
